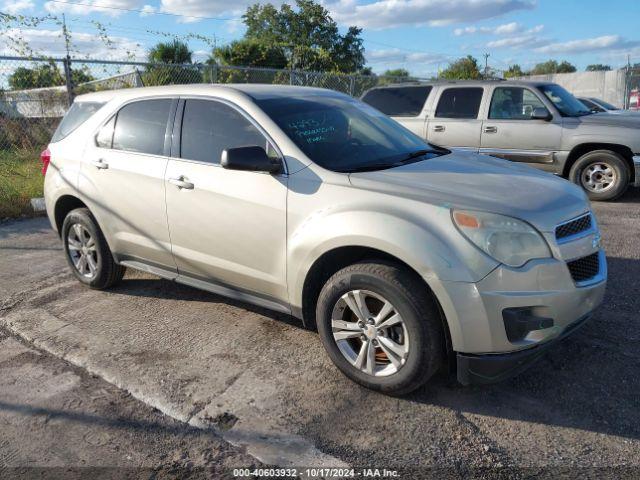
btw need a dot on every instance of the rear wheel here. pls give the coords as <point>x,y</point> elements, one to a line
<point>381,327</point>
<point>87,251</point>
<point>603,174</point>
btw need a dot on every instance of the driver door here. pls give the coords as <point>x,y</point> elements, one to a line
<point>227,227</point>
<point>509,132</point>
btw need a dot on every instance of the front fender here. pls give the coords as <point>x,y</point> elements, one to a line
<point>432,256</point>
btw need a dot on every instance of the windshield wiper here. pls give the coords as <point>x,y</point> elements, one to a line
<point>372,167</point>
<point>402,161</point>
<point>416,154</point>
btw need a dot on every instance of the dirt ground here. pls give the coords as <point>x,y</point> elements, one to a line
<point>266,386</point>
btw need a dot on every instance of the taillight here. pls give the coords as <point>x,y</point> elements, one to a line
<point>45,158</point>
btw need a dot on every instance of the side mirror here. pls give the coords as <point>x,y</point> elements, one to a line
<point>252,159</point>
<point>541,113</point>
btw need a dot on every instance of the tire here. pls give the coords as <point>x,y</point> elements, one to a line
<point>593,170</point>
<point>81,236</point>
<point>419,334</point>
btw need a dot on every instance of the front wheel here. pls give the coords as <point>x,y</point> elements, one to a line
<point>381,327</point>
<point>603,174</point>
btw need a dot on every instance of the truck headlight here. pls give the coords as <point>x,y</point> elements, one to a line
<point>506,239</point>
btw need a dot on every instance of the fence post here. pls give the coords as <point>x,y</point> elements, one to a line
<point>352,85</point>
<point>67,75</point>
<point>214,73</point>
<point>291,77</point>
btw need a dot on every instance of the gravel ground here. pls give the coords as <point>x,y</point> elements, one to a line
<point>265,384</point>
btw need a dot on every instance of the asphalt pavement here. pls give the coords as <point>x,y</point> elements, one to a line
<point>264,384</point>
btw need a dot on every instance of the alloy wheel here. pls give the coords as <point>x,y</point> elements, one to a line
<point>81,248</point>
<point>598,177</point>
<point>370,333</point>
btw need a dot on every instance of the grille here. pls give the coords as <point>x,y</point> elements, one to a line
<point>584,268</point>
<point>574,226</point>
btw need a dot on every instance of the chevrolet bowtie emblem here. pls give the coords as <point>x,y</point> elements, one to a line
<point>595,243</point>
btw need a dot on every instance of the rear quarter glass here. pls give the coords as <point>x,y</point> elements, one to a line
<point>79,113</point>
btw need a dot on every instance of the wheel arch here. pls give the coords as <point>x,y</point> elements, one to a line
<point>63,206</point>
<point>583,148</point>
<point>338,258</point>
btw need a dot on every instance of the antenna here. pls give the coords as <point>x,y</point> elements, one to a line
<point>486,65</point>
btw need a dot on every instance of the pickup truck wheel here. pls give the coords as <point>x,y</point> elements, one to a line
<point>381,327</point>
<point>603,174</point>
<point>87,251</point>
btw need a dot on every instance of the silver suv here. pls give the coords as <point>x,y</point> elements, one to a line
<point>537,123</point>
<point>408,258</point>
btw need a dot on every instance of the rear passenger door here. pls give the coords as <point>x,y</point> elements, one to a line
<point>403,104</point>
<point>123,177</point>
<point>455,122</point>
<point>228,227</point>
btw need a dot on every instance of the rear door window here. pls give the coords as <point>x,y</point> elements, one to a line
<point>76,116</point>
<point>462,102</point>
<point>104,138</point>
<point>398,101</point>
<point>209,127</point>
<point>141,126</point>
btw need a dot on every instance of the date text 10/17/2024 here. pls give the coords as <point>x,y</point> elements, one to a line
<point>325,473</point>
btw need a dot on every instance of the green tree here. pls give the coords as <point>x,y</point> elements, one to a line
<point>167,65</point>
<point>598,67</point>
<point>251,53</point>
<point>397,72</point>
<point>170,52</point>
<point>552,66</point>
<point>465,68</point>
<point>45,75</point>
<point>514,71</point>
<point>308,36</point>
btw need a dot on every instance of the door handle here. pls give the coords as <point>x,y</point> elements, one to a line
<point>181,182</point>
<point>490,130</point>
<point>100,164</point>
<point>438,128</point>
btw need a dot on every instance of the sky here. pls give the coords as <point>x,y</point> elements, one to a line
<point>422,36</point>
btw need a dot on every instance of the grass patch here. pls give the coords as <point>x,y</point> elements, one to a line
<point>20,181</point>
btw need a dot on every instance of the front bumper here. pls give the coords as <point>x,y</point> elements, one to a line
<point>636,168</point>
<point>493,368</point>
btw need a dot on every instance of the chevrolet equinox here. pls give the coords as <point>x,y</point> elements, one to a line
<point>406,257</point>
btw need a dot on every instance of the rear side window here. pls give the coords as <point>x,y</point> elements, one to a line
<point>459,103</point>
<point>209,127</point>
<point>76,116</point>
<point>141,126</point>
<point>398,102</point>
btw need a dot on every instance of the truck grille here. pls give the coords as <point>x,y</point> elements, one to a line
<point>573,227</point>
<point>584,268</point>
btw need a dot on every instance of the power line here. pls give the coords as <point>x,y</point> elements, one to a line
<point>136,10</point>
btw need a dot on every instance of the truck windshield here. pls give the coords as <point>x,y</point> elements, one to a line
<point>345,135</point>
<point>567,104</point>
<point>606,105</point>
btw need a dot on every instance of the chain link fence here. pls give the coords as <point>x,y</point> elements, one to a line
<point>35,92</point>
<point>633,89</point>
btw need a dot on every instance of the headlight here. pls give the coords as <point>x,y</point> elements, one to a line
<point>508,240</point>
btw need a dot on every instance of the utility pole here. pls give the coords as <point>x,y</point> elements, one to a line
<point>67,62</point>
<point>486,65</point>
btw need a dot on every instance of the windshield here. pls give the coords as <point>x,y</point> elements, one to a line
<point>567,104</point>
<point>345,135</point>
<point>606,105</point>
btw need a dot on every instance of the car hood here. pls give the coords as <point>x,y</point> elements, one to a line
<point>609,119</point>
<point>478,182</point>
